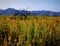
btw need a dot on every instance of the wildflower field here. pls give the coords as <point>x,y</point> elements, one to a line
<point>29,31</point>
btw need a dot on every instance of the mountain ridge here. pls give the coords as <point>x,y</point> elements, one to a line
<point>11,11</point>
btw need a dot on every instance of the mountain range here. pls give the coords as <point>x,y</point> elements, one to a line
<point>11,11</point>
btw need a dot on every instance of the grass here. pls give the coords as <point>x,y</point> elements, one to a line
<point>29,31</point>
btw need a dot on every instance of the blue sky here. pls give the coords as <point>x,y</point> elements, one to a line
<point>53,5</point>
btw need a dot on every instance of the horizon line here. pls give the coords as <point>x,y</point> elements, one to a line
<point>28,10</point>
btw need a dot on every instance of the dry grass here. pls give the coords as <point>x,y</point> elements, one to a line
<point>31,31</point>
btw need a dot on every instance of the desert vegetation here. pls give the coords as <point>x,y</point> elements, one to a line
<point>29,31</point>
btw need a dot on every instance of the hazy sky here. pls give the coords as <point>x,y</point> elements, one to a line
<point>53,5</point>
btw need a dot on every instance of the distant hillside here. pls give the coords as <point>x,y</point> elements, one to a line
<point>11,11</point>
